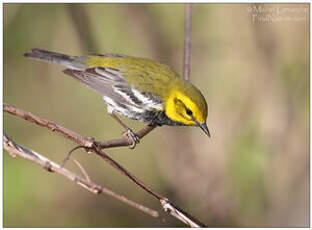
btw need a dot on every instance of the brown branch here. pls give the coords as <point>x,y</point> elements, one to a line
<point>167,206</point>
<point>124,141</point>
<point>80,140</point>
<point>48,124</point>
<point>16,150</point>
<point>187,41</point>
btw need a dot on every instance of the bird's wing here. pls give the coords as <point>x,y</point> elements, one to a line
<point>98,78</point>
<point>110,82</point>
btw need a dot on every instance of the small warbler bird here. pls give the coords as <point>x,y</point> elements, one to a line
<point>137,88</point>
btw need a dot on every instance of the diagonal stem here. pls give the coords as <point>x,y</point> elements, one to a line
<point>187,42</point>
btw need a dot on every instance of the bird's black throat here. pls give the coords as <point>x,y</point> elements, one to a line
<point>155,117</point>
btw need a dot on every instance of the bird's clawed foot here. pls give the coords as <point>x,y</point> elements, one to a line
<point>133,137</point>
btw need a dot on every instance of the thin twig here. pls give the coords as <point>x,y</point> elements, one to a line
<point>170,208</point>
<point>84,172</point>
<point>187,41</point>
<point>48,124</point>
<point>166,205</point>
<point>17,150</point>
<point>128,174</point>
<point>69,155</point>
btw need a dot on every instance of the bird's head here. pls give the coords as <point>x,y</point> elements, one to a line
<point>188,107</point>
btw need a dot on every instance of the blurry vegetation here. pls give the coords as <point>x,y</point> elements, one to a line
<point>254,171</point>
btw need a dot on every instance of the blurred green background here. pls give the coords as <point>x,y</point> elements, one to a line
<point>250,61</point>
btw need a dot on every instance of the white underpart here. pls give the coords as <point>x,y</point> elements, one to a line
<point>147,102</point>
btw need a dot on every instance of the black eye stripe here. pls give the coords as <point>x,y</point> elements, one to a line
<point>189,112</point>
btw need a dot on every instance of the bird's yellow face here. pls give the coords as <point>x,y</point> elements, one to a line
<point>186,109</point>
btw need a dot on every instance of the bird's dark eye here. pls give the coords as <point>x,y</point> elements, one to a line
<point>189,112</point>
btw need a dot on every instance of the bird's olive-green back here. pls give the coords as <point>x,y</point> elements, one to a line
<point>148,75</point>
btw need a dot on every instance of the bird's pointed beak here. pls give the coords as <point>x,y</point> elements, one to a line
<point>204,127</point>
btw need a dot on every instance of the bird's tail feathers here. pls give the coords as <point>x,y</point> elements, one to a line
<point>71,62</point>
